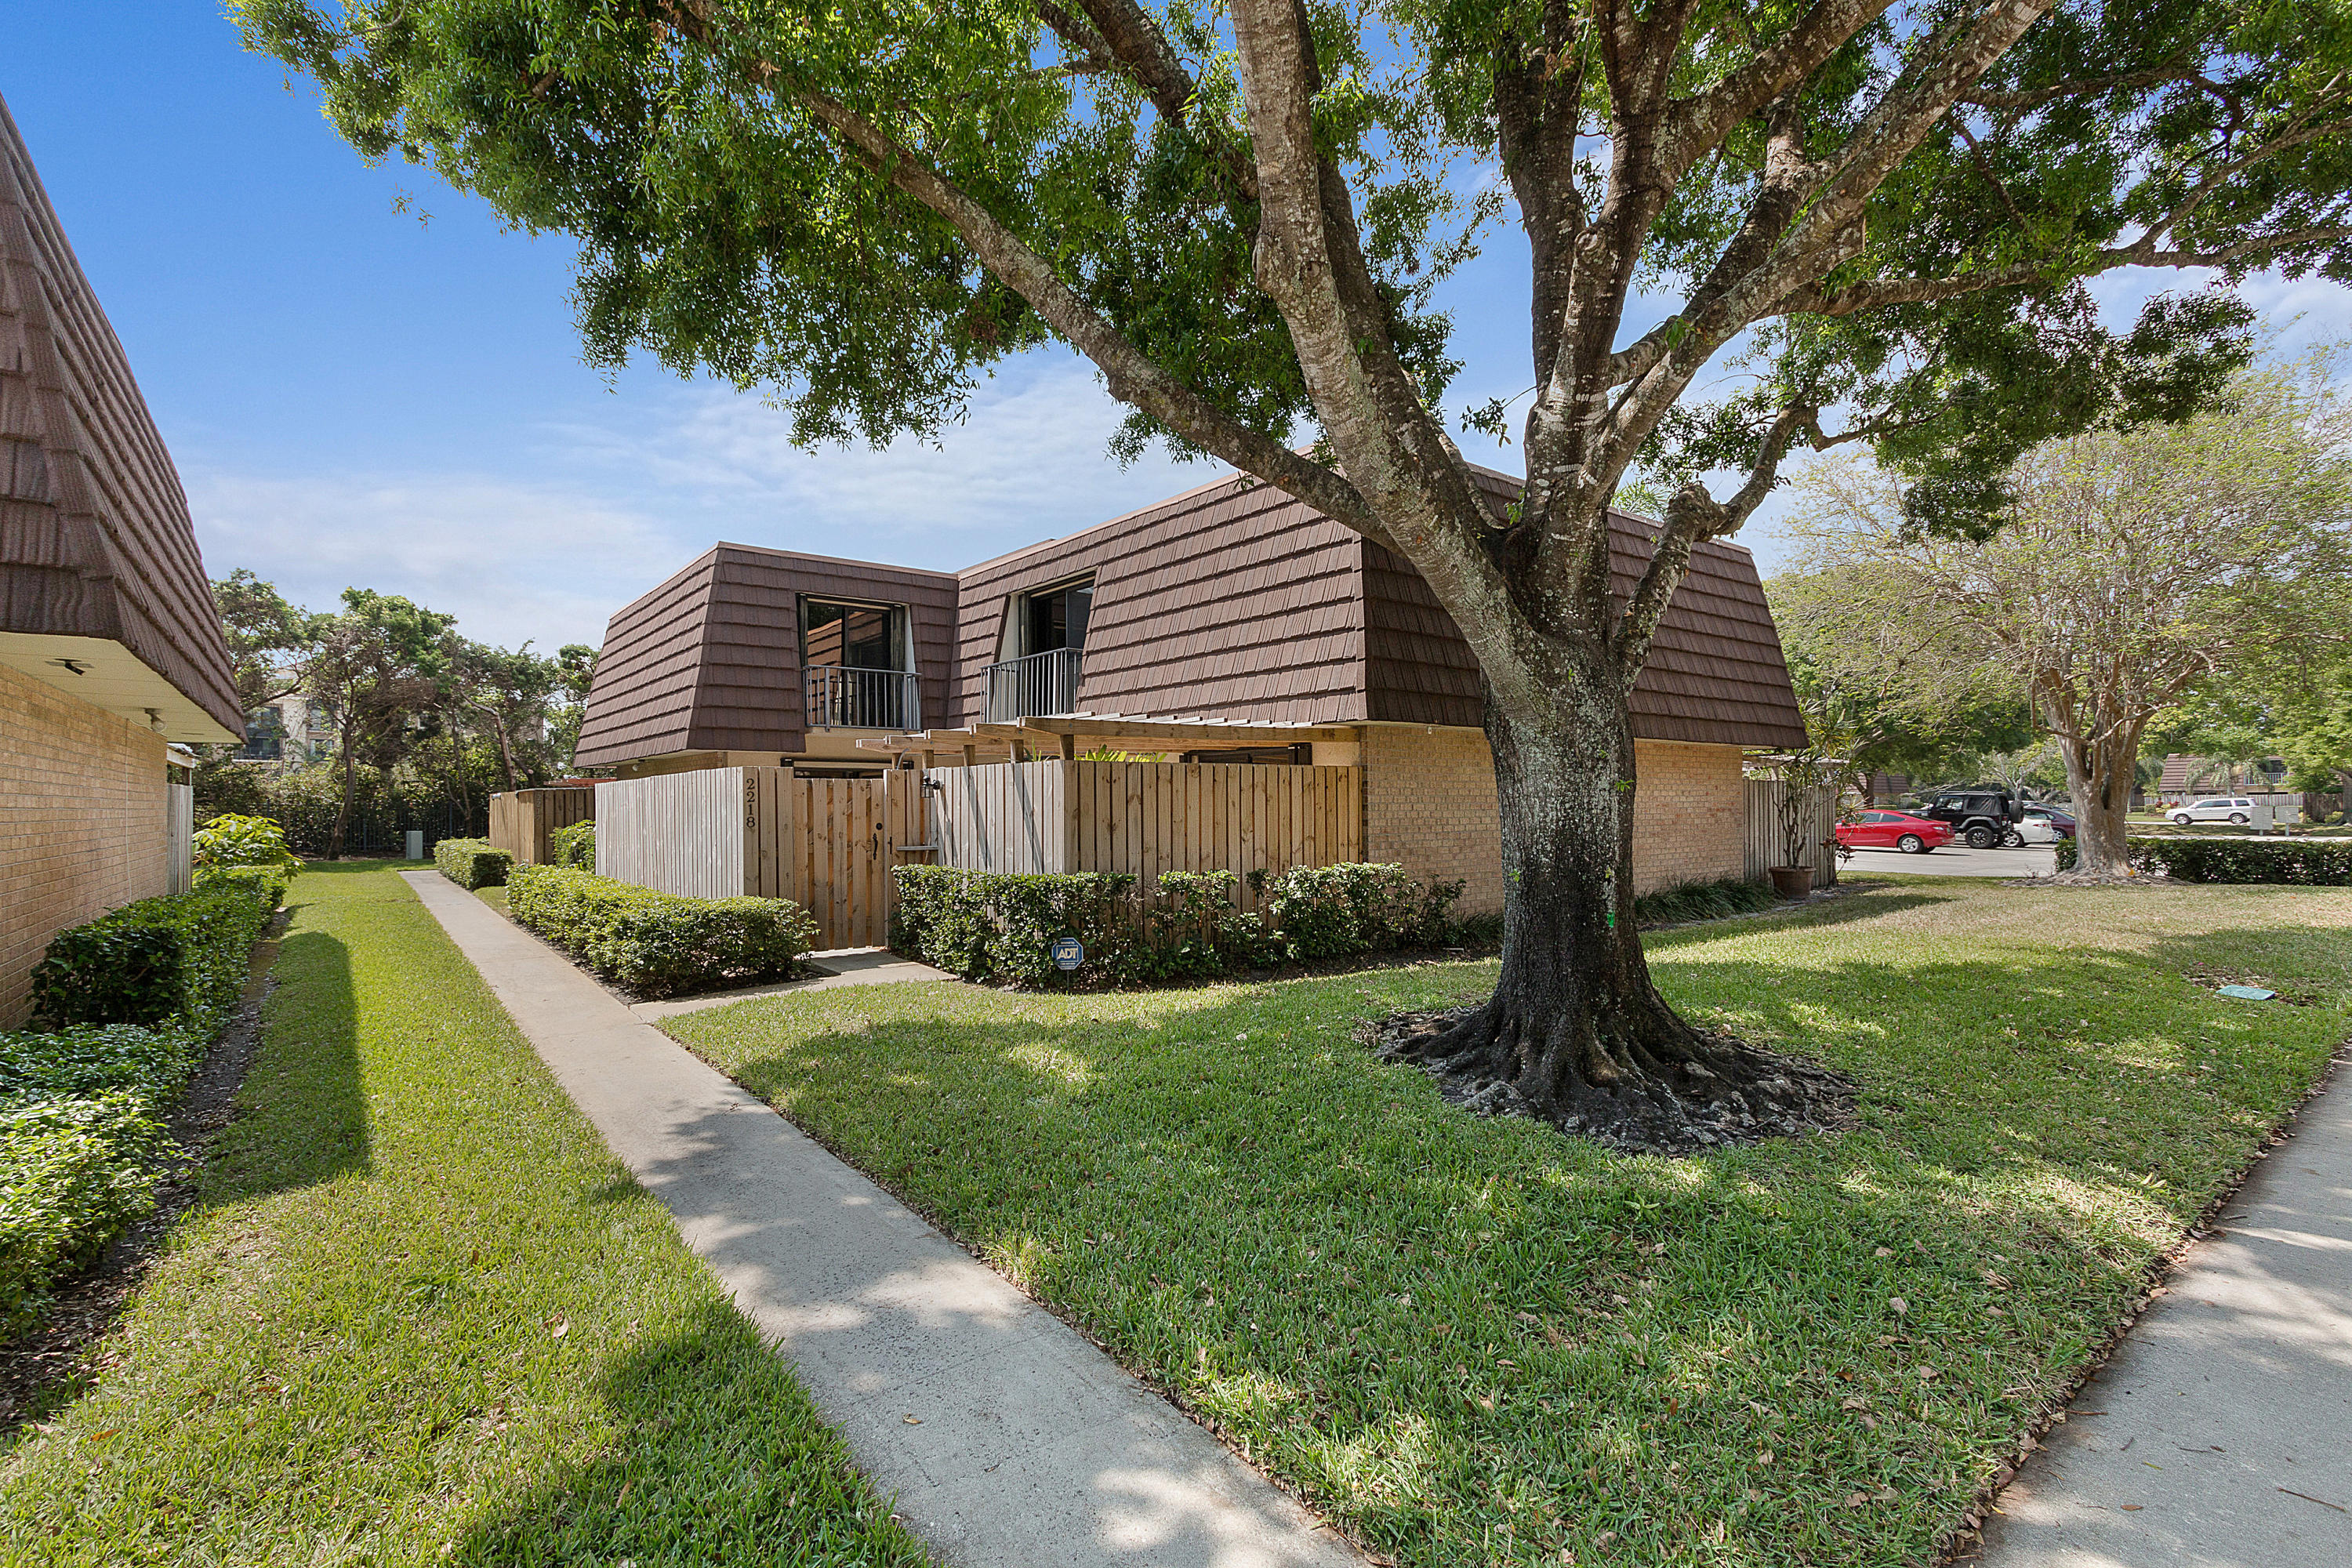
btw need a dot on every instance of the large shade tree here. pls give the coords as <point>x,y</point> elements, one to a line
<point>1239,211</point>
<point>2138,570</point>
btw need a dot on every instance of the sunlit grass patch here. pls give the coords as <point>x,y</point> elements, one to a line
<point>421,1316</point>
<point>1475,1341</point>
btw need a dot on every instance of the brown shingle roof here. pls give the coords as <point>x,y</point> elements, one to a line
<point>709,661</point>
<point>1231,601</point>
<point>95,537</point>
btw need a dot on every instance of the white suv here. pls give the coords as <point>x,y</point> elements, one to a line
<point>2216,808</point>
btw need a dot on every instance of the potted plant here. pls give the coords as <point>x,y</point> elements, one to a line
<point>1802,777</point>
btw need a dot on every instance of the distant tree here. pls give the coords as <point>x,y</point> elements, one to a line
<point>2314,736</point>
<point>578,663</point>
<point>510,695</point>
<point>1240,213</point>
<point>1895,702</point>
<point>268,638</point>
<point>2137,567</point>
<point>379,663</point>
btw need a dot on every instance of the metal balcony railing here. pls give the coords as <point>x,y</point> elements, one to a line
<point>1028,688</point>
<point>841,697</point>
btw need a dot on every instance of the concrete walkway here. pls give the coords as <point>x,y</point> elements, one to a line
<point>2220,1435</point>
<point>849,967</point>
<point>1009,1441</point>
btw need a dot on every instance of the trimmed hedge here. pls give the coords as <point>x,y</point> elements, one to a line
<point>659,943</point>
<point>472,862</point>
<point>574,846</point>
<point>999,927</point>
<point>182,955</point>
<point>2305,862</point>
<point>267,883</point>
<point>72,1173</point>
<point>139,993</point>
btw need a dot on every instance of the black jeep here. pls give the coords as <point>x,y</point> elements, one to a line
<point>1981,817</point>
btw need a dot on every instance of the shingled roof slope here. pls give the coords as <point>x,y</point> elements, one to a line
<point>710,659</point>
<point>95,536</point>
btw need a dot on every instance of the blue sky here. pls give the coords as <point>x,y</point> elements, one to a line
<point>357,393</point>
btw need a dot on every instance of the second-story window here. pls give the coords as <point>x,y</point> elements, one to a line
<point>1057,617</point>
<point>853,637</point>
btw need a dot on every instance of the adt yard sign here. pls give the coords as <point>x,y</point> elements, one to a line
<point>1069,952</point>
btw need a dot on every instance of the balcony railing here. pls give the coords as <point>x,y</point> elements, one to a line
<point>1028,688</point>
<point>841,697</point>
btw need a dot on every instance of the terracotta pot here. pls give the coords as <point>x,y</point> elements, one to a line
<point>1792,881</point>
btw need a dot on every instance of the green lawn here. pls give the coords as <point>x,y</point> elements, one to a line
<point>1475,1342</point>
<point>421,1316</point>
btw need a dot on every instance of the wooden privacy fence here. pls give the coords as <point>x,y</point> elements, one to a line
<point>1143,818</point>
<point>1764,798</point>
<point>826,844</point>
<point>521,819</point>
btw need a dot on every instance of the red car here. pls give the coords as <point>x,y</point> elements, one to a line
<point>1894,830</point>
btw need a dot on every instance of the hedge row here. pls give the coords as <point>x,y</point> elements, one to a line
<point>659,943</point>
<point>2307,862</point>
<point>180,956</point>
<point>574,846</point>
<point>472,862</point>
<point>133,998</point>
<point>1000,927</point>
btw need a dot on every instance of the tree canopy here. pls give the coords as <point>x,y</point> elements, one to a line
<point>2139,569</point>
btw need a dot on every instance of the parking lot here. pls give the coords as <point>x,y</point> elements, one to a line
<point>1958,860</point>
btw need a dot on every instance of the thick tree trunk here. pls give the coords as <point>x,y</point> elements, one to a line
<point>2099,774</point>
<point>1575,1032</point>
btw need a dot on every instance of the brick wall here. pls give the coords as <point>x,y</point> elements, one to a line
<point>82,827</point>
<point>1429,803</point>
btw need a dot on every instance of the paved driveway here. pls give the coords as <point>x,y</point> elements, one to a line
<point>1958,860</point>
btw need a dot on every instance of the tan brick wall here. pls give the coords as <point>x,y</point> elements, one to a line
<point>1429,804</point>
<point>81,822</point>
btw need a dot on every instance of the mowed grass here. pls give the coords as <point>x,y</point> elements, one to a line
<point>421,1316</point>
<point>1471,1340</point>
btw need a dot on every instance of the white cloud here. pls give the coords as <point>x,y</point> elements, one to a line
<point>592,512</point>
<point>512,560</point>
<point>1029,462</point>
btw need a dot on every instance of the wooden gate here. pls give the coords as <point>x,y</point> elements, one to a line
<point>827,844</point>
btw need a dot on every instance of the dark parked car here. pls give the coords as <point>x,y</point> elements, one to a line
<point>1981,817</point>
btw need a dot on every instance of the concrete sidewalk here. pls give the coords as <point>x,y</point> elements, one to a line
<point>2220,1435</point>
<point>1009,1441</point>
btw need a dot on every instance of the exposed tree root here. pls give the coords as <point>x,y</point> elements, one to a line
<point>1705,1092</point>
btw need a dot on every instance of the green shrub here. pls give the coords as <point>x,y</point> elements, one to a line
<point>243,841</point>
<point>1704,901</point>
<point>88,1059</point>
<point>472,862</point>
<point>267,883</point>
<point>659,943</point>
<point>182,955</point>
<point>2307,862</point>
<point>999,927</point>
<point>574,846</point>
<point>1333,911</point>
<point>72,1173</point>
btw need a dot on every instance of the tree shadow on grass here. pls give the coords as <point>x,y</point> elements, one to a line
<point>1313,1249</point>
<point>302,1109</point>
<point>720,1460</point>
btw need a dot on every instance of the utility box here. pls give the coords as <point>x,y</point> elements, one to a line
<point>416,843</point>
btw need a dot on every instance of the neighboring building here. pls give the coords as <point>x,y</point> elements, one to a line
<point>1224,623</point>
<point>292,729</point>
<point>109,649</point>
<point>2184,774</point>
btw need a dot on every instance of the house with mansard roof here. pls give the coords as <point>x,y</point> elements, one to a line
<point>1230,622</point>
<point>109,648</point>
